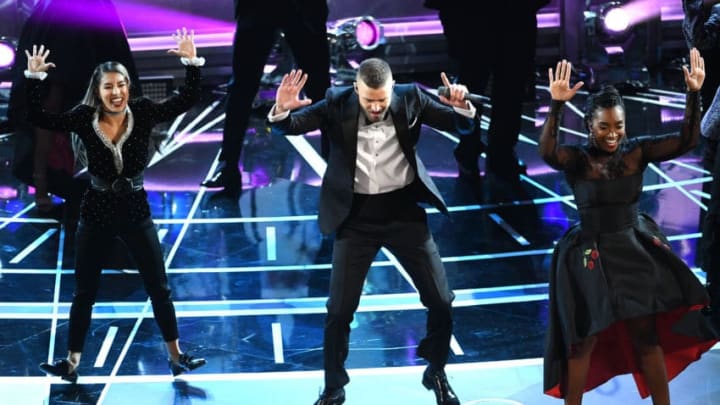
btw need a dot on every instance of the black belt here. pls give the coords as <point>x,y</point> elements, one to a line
<point>121,185</point>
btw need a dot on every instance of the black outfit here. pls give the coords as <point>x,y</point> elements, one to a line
<point>125,212</point>
<point>710,239</point>
<point>495,45</point>
<point>78,45</point>
<point>364,223</point>
<point>616,264</point>
<point>258,24</point>
<point>701,28</point>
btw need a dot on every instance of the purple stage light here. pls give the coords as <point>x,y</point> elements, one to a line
<point>7,192</point>
<point>368,33</point>
<point>144,18</point>
<point>616,20</point>
<point>7,54</point>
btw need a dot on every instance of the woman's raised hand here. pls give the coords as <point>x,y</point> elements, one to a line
<point>695,77</point>
<point>36,61</point>
<point>185,44</point>
<point>560,89</point>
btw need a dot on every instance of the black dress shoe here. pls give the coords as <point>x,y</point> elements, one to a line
<point>228,179</point>
<point>60,368</point>
<point>331,397</point>
<point>437,381</point>
<point>185,363</point>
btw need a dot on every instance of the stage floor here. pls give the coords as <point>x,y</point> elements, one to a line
<point>250,277</point>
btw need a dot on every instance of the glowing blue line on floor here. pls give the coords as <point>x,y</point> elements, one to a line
<point>175,124</point>
<point>278,353</point>
<point>668,92</point>
<point>688,166</point>
<point>527,140</point>
<point>316,162</point>
<point>294,306</point>
<point>509,229</point>
<point>455,346</point>
<point>313,305</point>
<point>459,208</point>
<point>679,106</point>
<point>500,255</point>
<point>20,213</point>
<point>546,190</point>
<point>236,220</point>
<point>105,346</point>
<point>56,297</point>
<point>162,233</point>
<point>270,243</point>
<point>32,246</point>
<point>178,143</point>
<point>682,190</point>
<point>673,184</point>
<point>700,194</point>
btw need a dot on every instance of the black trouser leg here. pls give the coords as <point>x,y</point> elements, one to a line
<point>145,249</point>
<point>309,45</point>
<point>416,250</point>
<point>251,47</point>
<point>353,253</point>
<point>91,247</point>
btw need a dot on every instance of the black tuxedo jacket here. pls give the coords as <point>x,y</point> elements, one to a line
<point>338,113</point>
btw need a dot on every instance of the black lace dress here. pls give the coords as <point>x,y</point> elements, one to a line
<point>616,264</point>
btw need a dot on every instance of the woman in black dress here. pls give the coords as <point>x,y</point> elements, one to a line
<point>620,300</point>
<point>115,131</point>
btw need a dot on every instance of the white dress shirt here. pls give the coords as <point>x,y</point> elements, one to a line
<point>380,166</point>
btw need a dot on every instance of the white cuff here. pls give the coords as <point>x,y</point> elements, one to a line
<point>467,112</point>
<point>273,117</point>
<point>196,61</point>
<point>35,75</point>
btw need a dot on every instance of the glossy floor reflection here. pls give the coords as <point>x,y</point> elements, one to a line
<point>250,274</point>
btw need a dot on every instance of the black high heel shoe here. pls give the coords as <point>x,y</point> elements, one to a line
<point>60,368</point>
<point>185,363</point>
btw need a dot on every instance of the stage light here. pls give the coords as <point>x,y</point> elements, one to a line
<point>369,34</point>
<point>613,22</point>
<point>614,50</point>
<point>616,20</point>
<point>363,32</point>
<point>350,38</point>
<point>7,53</point>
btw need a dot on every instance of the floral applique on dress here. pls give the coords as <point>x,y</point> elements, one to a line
<point>659,242</point>
<point>590,258</point>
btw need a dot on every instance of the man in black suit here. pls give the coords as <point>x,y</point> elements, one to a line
<point>258,26</point>
<point>369,198</point>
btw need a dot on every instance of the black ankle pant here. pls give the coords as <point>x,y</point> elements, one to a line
<point>92,245</point>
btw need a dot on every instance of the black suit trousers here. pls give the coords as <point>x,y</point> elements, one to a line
<point>253,42</point>
<point>357,242</point>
